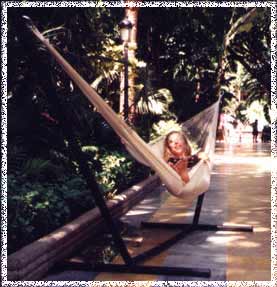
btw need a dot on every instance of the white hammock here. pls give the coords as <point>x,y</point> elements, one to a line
<point>150,155</point>
<point>201,132</point>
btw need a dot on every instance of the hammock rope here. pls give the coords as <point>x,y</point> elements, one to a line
<point>201,133</point>
<point>150,154</point>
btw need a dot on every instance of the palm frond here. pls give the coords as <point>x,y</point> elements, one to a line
<point>155,103</point>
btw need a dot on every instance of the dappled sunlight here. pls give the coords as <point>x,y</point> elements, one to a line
<point>223,240</point>
<point>236,239</point>
<point>227,233</point>
<point>252,211</point>
<point>254,223</point>
<point>261,164</point>
<point>262,229</point>
<point>260,208</point>
<point>260,172</point>
<point>216,211</point>
<point>180,205</point>
<point>60,233</point>
<point>56,236</point>
<point>138,212</point>
<point>251,174</point>
<point>171,216</point>
<point>238,176</point>
<point>181,214</point>
<point>146,201</point>
<point>143,209</point>
<point>244,212</point>
<point>246,220</point>
<point>119,197</point>
<point>247,244</point>
<point>136,187</point>
<point>149,207</point>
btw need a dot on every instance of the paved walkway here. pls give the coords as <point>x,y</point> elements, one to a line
<point>239,194</point>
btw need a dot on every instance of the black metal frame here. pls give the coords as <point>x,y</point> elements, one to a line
<point>132,264</point>
<point>186,229</point>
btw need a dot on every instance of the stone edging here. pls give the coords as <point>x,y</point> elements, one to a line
<point>33,261</point>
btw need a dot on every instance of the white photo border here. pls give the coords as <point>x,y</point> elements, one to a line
<point>7,4</point>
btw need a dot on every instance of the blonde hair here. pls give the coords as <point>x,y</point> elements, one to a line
<point>167,152</point>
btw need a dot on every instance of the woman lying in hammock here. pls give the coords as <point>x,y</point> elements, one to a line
<point>177,153</point>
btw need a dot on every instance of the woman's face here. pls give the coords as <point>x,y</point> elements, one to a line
<point>176,144</point>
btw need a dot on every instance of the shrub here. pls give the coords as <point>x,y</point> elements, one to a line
<point>36,209</point>
<point>41,200</point>
<point>115,170</point>
<point>119,172</point>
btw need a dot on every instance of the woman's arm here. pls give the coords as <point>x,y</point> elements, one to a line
<point>181,167</point>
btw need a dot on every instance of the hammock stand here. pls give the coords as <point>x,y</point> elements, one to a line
<point>131,264</point>
<point>187,228</point>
